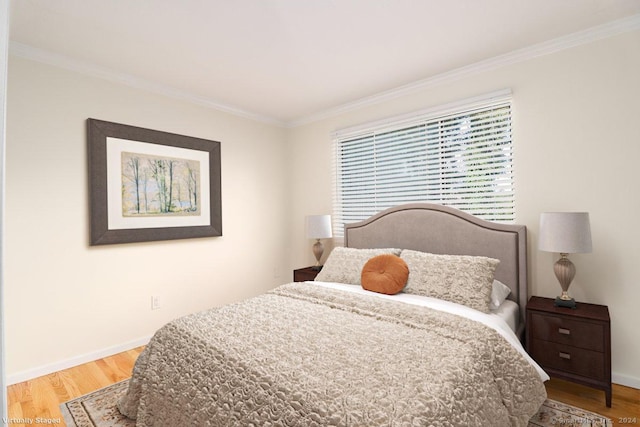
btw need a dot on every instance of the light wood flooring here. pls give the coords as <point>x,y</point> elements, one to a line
<point>625,402</point>
<point>42,396</point>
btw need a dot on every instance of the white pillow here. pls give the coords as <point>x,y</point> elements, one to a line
<point>499,293</point>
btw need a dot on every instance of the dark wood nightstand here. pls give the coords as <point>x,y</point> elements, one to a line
<point>304,274</point>
<point>572,344</point>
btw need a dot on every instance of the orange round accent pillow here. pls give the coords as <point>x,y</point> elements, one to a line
<point>385,274</point>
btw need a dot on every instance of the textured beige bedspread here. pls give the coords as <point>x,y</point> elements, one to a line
<point>302,355</point>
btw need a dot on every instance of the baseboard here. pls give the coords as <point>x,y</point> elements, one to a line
<point>74,361</point>
<point>625,380</point>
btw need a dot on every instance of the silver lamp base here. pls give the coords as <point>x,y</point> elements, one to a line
<point>318,249</point>
<point>565,271</point>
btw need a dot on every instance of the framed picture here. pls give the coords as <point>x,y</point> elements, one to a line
<point>147,185</point>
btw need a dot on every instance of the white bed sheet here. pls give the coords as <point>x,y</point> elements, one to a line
<point>509,312</point>
<point>494,320</point>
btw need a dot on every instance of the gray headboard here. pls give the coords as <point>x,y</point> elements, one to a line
<point>444,230</point>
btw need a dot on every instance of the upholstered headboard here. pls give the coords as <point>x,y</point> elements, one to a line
<point>444,230</point>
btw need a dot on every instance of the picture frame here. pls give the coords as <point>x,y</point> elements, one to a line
<point>148,185</point>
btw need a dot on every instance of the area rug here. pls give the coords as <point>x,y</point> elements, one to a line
<point>98,409</point>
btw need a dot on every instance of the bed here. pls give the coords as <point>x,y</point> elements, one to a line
<point>332,353</point>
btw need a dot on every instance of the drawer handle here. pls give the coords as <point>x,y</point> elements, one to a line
<point>564,331</point>
<point>566,356</point>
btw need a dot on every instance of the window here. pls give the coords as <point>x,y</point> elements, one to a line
<point>458,155</point>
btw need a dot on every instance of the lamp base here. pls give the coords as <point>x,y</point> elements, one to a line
<point>316,268</point>
<point>568,303</point>
<point>318,249</point>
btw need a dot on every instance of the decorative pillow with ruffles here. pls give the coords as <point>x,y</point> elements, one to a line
<point>344,265</point>
<point>461,279</point>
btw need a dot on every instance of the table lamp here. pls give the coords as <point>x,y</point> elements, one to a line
<point>565,233</point>
<point>318,227</point>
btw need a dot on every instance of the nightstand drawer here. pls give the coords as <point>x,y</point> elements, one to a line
<point>569,359</point>
<point>585,335</point>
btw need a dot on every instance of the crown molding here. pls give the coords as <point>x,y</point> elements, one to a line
<point>87,68</point>
<point>587,36</point>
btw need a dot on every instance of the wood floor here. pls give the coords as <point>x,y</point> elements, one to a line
<point>41,397</point>
<point>625,402</point>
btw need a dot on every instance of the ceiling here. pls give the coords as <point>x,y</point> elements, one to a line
<point>286,60</point>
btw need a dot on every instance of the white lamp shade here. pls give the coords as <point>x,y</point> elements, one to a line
<point>565,232</point>
<point>319,226</point>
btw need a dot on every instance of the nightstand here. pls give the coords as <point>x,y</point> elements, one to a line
<point>304,274</point>
<point>572,344</point>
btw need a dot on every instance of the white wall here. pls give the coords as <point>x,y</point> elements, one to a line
<point>65,299</point>
<point>576,148</point>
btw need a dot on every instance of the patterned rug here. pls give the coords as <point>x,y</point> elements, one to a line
<point>98,409</point>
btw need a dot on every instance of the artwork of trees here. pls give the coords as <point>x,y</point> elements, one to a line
<point>159,186</point>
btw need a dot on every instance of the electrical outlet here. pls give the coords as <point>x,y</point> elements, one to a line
<point>155,302</point>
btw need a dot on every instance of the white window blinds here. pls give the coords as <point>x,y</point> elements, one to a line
<point>458,156</point>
